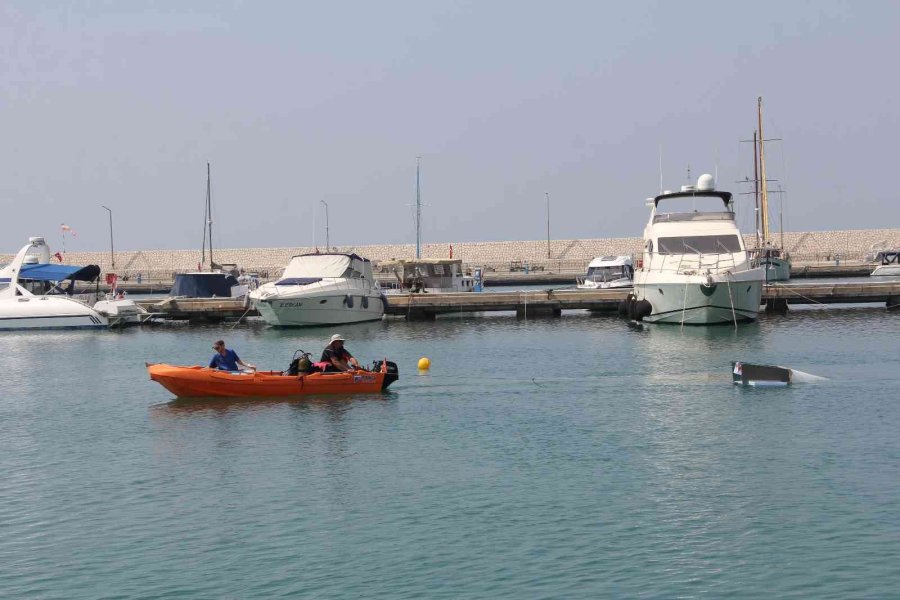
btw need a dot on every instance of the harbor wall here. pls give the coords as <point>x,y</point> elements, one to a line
<point>804,247</point>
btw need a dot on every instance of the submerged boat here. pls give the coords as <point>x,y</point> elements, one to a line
<point>695,268</point>
<point>607,272</point>
<point>321,289</point>
<point>749,374</point>
<point>32,296</point>
<point>890,264</point>
<point>203,382</point>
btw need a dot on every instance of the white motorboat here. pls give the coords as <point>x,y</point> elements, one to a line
<point>890,264</point>
<point>321,289</point>
<point>608,272</point>
<point>427,276</point>
<point>695,268</point>
<point>22,308</point>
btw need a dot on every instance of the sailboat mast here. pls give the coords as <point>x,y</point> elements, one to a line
<point>764,212</point>
<point>209,214</point>
<point>205,223</point>
<point>756,184</point>
<point>418,214</point>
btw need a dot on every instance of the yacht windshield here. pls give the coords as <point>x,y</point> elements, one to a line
<point>606,273</point>
<point>700,244</point>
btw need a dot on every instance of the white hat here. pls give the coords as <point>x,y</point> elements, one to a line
<point>336,337</point>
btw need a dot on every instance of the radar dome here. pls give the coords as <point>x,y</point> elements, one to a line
<point>706,183</point>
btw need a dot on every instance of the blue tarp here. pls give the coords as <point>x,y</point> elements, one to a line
<point>51,272</point>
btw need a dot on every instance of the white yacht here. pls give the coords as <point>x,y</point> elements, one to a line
<point>608,272</point>
<point>695,268</point>
<point>321,289</point>
<point>890,264</point>
<point>427,276</point>
<point>21,308</point>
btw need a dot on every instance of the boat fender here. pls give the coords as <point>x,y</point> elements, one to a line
<point>641,309</point>
<point>348,301</point>
<point>625,305</point>
<point>365,302</point>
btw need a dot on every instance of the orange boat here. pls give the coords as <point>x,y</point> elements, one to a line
<point>203,382</point>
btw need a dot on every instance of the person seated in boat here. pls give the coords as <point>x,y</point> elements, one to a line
<point>226,359</point>
<point>337,357</point>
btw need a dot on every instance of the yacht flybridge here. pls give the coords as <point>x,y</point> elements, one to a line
<point>45,305</point>
<point>321,289</point>
<point>695,268</point>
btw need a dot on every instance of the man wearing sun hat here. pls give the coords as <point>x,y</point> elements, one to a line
<point>337,357</point>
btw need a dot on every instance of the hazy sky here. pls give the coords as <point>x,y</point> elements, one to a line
<point>123,103</point>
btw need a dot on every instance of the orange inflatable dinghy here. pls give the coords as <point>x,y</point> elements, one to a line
<point>203,382</point>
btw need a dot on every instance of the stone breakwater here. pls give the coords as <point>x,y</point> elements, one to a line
<point>813,246</point>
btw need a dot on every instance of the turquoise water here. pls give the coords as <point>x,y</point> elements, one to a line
<point>557,458</point>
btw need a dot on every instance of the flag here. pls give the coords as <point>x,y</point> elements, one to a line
<point>66,229</point>
<point>58,257</point>
<point>451,250</point>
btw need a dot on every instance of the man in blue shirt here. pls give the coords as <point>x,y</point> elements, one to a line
<point>226,359</point>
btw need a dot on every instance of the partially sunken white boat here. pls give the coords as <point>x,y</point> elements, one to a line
<point>52,307</point>
<point>695,268</point>
<point>321,289</point>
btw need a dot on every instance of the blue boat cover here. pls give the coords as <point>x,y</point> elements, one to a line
<point>52,272</point>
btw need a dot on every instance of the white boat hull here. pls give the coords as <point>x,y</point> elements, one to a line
<point>603,285</point>
<point>121,312</point>
<point>886,271</point>
<point>693,302</point>
<point>777,269</point>
<point>47,312</point>
<point>330,309</point>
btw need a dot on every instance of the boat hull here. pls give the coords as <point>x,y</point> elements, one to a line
<point>693,302</point>
<point>886,271</point>
<point>203,382</point>
<point>777,269</point>
<point>330,309</point>
<point>47,312</point>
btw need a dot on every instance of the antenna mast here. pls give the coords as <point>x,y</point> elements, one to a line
<point>756,185</point>
<point>418,213</point>
<point>209,215</point>
<point>764,214</point>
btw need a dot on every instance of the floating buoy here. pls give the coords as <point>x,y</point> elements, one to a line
<point>424,363</point>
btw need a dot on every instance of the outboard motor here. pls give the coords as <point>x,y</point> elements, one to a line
<point>392,374</point>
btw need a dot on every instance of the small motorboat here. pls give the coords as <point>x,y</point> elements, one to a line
<point>203,382</point>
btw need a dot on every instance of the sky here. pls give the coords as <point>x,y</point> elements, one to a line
<point>122,104</point>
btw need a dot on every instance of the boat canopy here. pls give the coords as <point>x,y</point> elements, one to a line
<point>318,266</point>
<point>203,285</point>
<point>52,272</point>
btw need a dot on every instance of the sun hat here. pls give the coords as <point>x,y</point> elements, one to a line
<point>337,338</point>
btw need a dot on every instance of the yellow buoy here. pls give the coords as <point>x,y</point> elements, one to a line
<point>424,363</point>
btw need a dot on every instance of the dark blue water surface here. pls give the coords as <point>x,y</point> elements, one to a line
<point>557,458</point>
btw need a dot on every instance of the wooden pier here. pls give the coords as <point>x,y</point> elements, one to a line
<point>549,302</point>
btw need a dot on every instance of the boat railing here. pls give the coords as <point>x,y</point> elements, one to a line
<point>694,263</point>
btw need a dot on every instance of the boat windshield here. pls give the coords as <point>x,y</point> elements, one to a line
<point>700,244</point>
<point>607,273</point>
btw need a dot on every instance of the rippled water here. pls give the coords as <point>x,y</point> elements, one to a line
<point>566,458</point>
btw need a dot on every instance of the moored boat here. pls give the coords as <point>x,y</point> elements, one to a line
<point>203,382</point>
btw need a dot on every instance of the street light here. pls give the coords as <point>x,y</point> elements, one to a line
<point>547,194</point>
<point>327,241</point>
<point>112,253</point>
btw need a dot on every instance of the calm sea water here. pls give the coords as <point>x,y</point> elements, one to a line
<point>557,458</point>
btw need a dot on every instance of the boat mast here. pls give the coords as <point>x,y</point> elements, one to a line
<point>756,184</point>
<point>418,214</point>
<point>205,222</point>
<point>209,215</point>
<point>764,207</point>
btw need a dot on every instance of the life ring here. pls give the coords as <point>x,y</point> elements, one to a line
<point>348,301</point>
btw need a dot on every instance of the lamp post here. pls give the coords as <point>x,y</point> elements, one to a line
<point>547,194</point>
<point>327,240</point>
<point>112,253</point>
